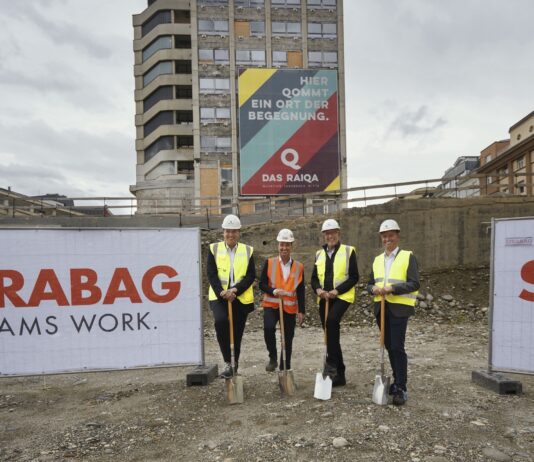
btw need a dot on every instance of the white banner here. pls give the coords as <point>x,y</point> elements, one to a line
<point>73,300</point>
<point>512,321</point>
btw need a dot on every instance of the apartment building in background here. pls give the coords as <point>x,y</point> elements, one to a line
<point>204,66</point>
<point>508,165</point>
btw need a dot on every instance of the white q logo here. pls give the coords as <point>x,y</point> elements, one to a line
<point>290,157</point>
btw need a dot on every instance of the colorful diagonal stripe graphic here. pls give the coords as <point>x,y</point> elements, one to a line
<point>288,132</point>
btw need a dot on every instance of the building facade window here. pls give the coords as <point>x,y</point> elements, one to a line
<point>210,27</point>
<point>288,3</point>
<point>213,56</point>
<point>322,4</point>
<point>214,114</point>
<point>257,28</point>
<point>161,94</point>
<point>322,59</point>
<point>182,41</point>
<point>184,92</point>
<point>322,30</point>
<point>184,117</point>
<point>279,58</point>
<point>161,118</point>
<point>213,2</point>
<point>488,158</point>
<point>215,143</point>
<point>184,141</point>
<point>162,68</point>
<point>284,29</point>
<point>161,43</point>
<point>250,3</point>
<point>214,85</point>
<point>520,163</point>
<point>182,66</point>
<point>161,17</point>
<point>164,143</point>
<point>256,57</point>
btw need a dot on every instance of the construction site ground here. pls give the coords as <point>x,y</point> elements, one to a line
<point>150,414</point>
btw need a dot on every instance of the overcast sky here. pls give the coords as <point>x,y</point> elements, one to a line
<point>426,81</point>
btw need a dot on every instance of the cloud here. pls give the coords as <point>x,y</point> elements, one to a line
<point>416,122</point>
<point>58,31</point>
<point>71,160</point>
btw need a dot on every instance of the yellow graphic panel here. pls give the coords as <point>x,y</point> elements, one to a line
<point>335,185</point>
<point>250,81</point>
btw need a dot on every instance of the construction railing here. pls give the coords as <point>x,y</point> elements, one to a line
<point>208,211</point>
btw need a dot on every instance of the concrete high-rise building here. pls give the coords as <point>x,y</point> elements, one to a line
<point>188,59</point>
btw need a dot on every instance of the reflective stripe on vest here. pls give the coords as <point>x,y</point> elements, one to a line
<point>397,274</point>
<point>276,280</point>
<point>242,256</point>
<point>341,269</point>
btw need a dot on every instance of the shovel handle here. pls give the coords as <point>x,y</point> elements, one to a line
<point>326,305</point>
<point>382,319</point>
<point>282,331</point>
<point>231,325</point>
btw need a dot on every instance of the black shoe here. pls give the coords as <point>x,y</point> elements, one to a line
<point>330,371</point>
<point>339,380</point>
<point>271,365</point>
<point>392,389</point>
<point>228,373</point>
<point>400,397</point>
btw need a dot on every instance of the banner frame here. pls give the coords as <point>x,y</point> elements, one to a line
<point>3,227</point>
<point>492,297</point>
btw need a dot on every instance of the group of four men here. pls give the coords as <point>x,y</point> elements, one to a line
<point>231,274</point>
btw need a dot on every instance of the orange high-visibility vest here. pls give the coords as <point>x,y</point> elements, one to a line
<point>276,281</point>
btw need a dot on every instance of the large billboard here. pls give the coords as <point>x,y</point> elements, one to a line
<point>288,131</point>
<point>89,299</point>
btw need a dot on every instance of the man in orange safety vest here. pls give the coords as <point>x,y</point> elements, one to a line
<point>282,278</point>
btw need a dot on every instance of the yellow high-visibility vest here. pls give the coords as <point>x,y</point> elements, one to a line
<point>341,270</point>
<point>222,260</point>
<point>397,274</point>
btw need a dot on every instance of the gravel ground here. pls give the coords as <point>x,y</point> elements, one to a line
<point>150,414</point>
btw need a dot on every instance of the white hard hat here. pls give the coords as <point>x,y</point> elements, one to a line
<point>330,224</point>
<point>285,235</point>
<point>389,225</point>
<point>231,222</point>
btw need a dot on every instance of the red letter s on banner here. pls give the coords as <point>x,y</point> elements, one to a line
<point>527,274</point>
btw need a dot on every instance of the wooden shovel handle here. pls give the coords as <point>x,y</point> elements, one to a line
<point>327,303</point>
<point>382,319</point>
<point>231,323</point>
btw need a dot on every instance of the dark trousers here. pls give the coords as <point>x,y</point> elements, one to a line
<point>394,337</point>
<point>222,326</point>
<point>270,319</point>
<point>336,310</point>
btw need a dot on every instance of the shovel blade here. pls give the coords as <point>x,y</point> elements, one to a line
<point>323,387</point>
<point>287,382</point>
<point>380,390</point>
<point>234,389</point>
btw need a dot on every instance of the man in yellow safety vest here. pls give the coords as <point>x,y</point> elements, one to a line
<point>282,277</point>
<point>334,278</point>
<point>231,273</point>
<point>395,276</point>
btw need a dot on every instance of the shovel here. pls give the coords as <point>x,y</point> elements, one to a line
<point>285,377</point>
<point>323,385</point>
<point>381,388</point>
<point>234,385</point>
